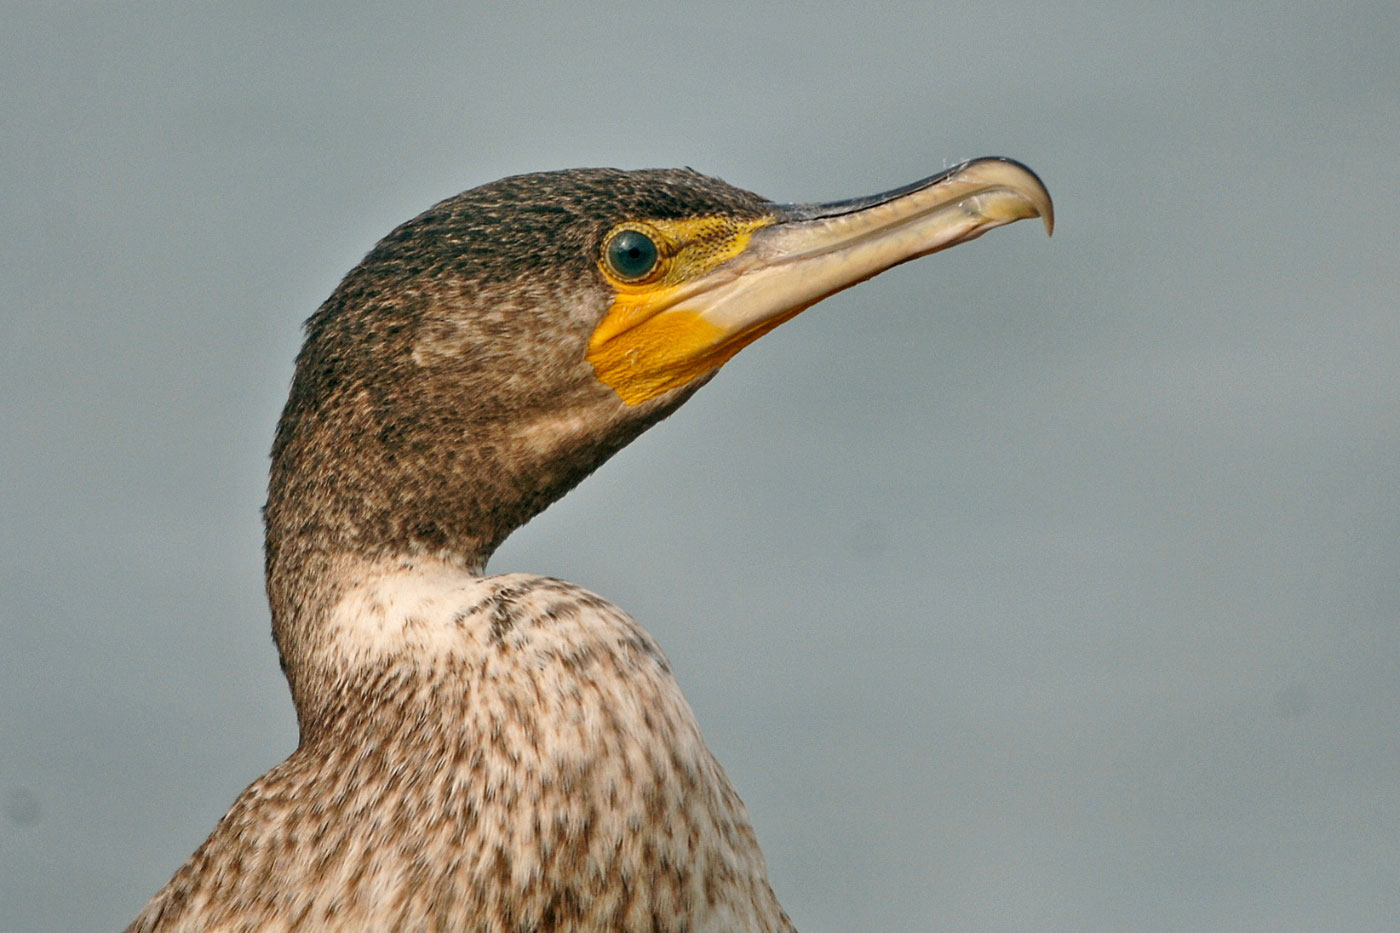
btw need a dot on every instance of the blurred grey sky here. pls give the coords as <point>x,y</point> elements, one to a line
<point>1045,585</point>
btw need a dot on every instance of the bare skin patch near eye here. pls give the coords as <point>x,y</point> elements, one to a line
<point>636,350</point>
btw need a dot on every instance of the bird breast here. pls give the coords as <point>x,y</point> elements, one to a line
<point>513,749</point>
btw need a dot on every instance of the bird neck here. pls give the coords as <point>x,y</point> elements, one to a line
<point>350,491</point>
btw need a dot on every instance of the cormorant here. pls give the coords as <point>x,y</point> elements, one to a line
<point>512,753</point>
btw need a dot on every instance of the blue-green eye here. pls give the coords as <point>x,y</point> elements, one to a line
<point>630,254</point>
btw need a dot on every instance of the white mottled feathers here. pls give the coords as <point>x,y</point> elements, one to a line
<point>500,746</point>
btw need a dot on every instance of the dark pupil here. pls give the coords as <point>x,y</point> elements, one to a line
<point>632,254</point>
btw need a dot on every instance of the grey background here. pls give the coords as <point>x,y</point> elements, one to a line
<point>1044,585</point>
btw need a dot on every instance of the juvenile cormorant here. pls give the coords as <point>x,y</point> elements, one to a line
<point>512,753</point>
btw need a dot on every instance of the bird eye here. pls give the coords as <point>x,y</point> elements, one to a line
<point>630,254</point>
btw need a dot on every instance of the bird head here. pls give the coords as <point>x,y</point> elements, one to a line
<point>490,353</point>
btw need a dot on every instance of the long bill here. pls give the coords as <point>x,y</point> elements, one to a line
<point>807,253</point>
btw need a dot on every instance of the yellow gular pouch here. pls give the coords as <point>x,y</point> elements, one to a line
<point>643,346</point>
